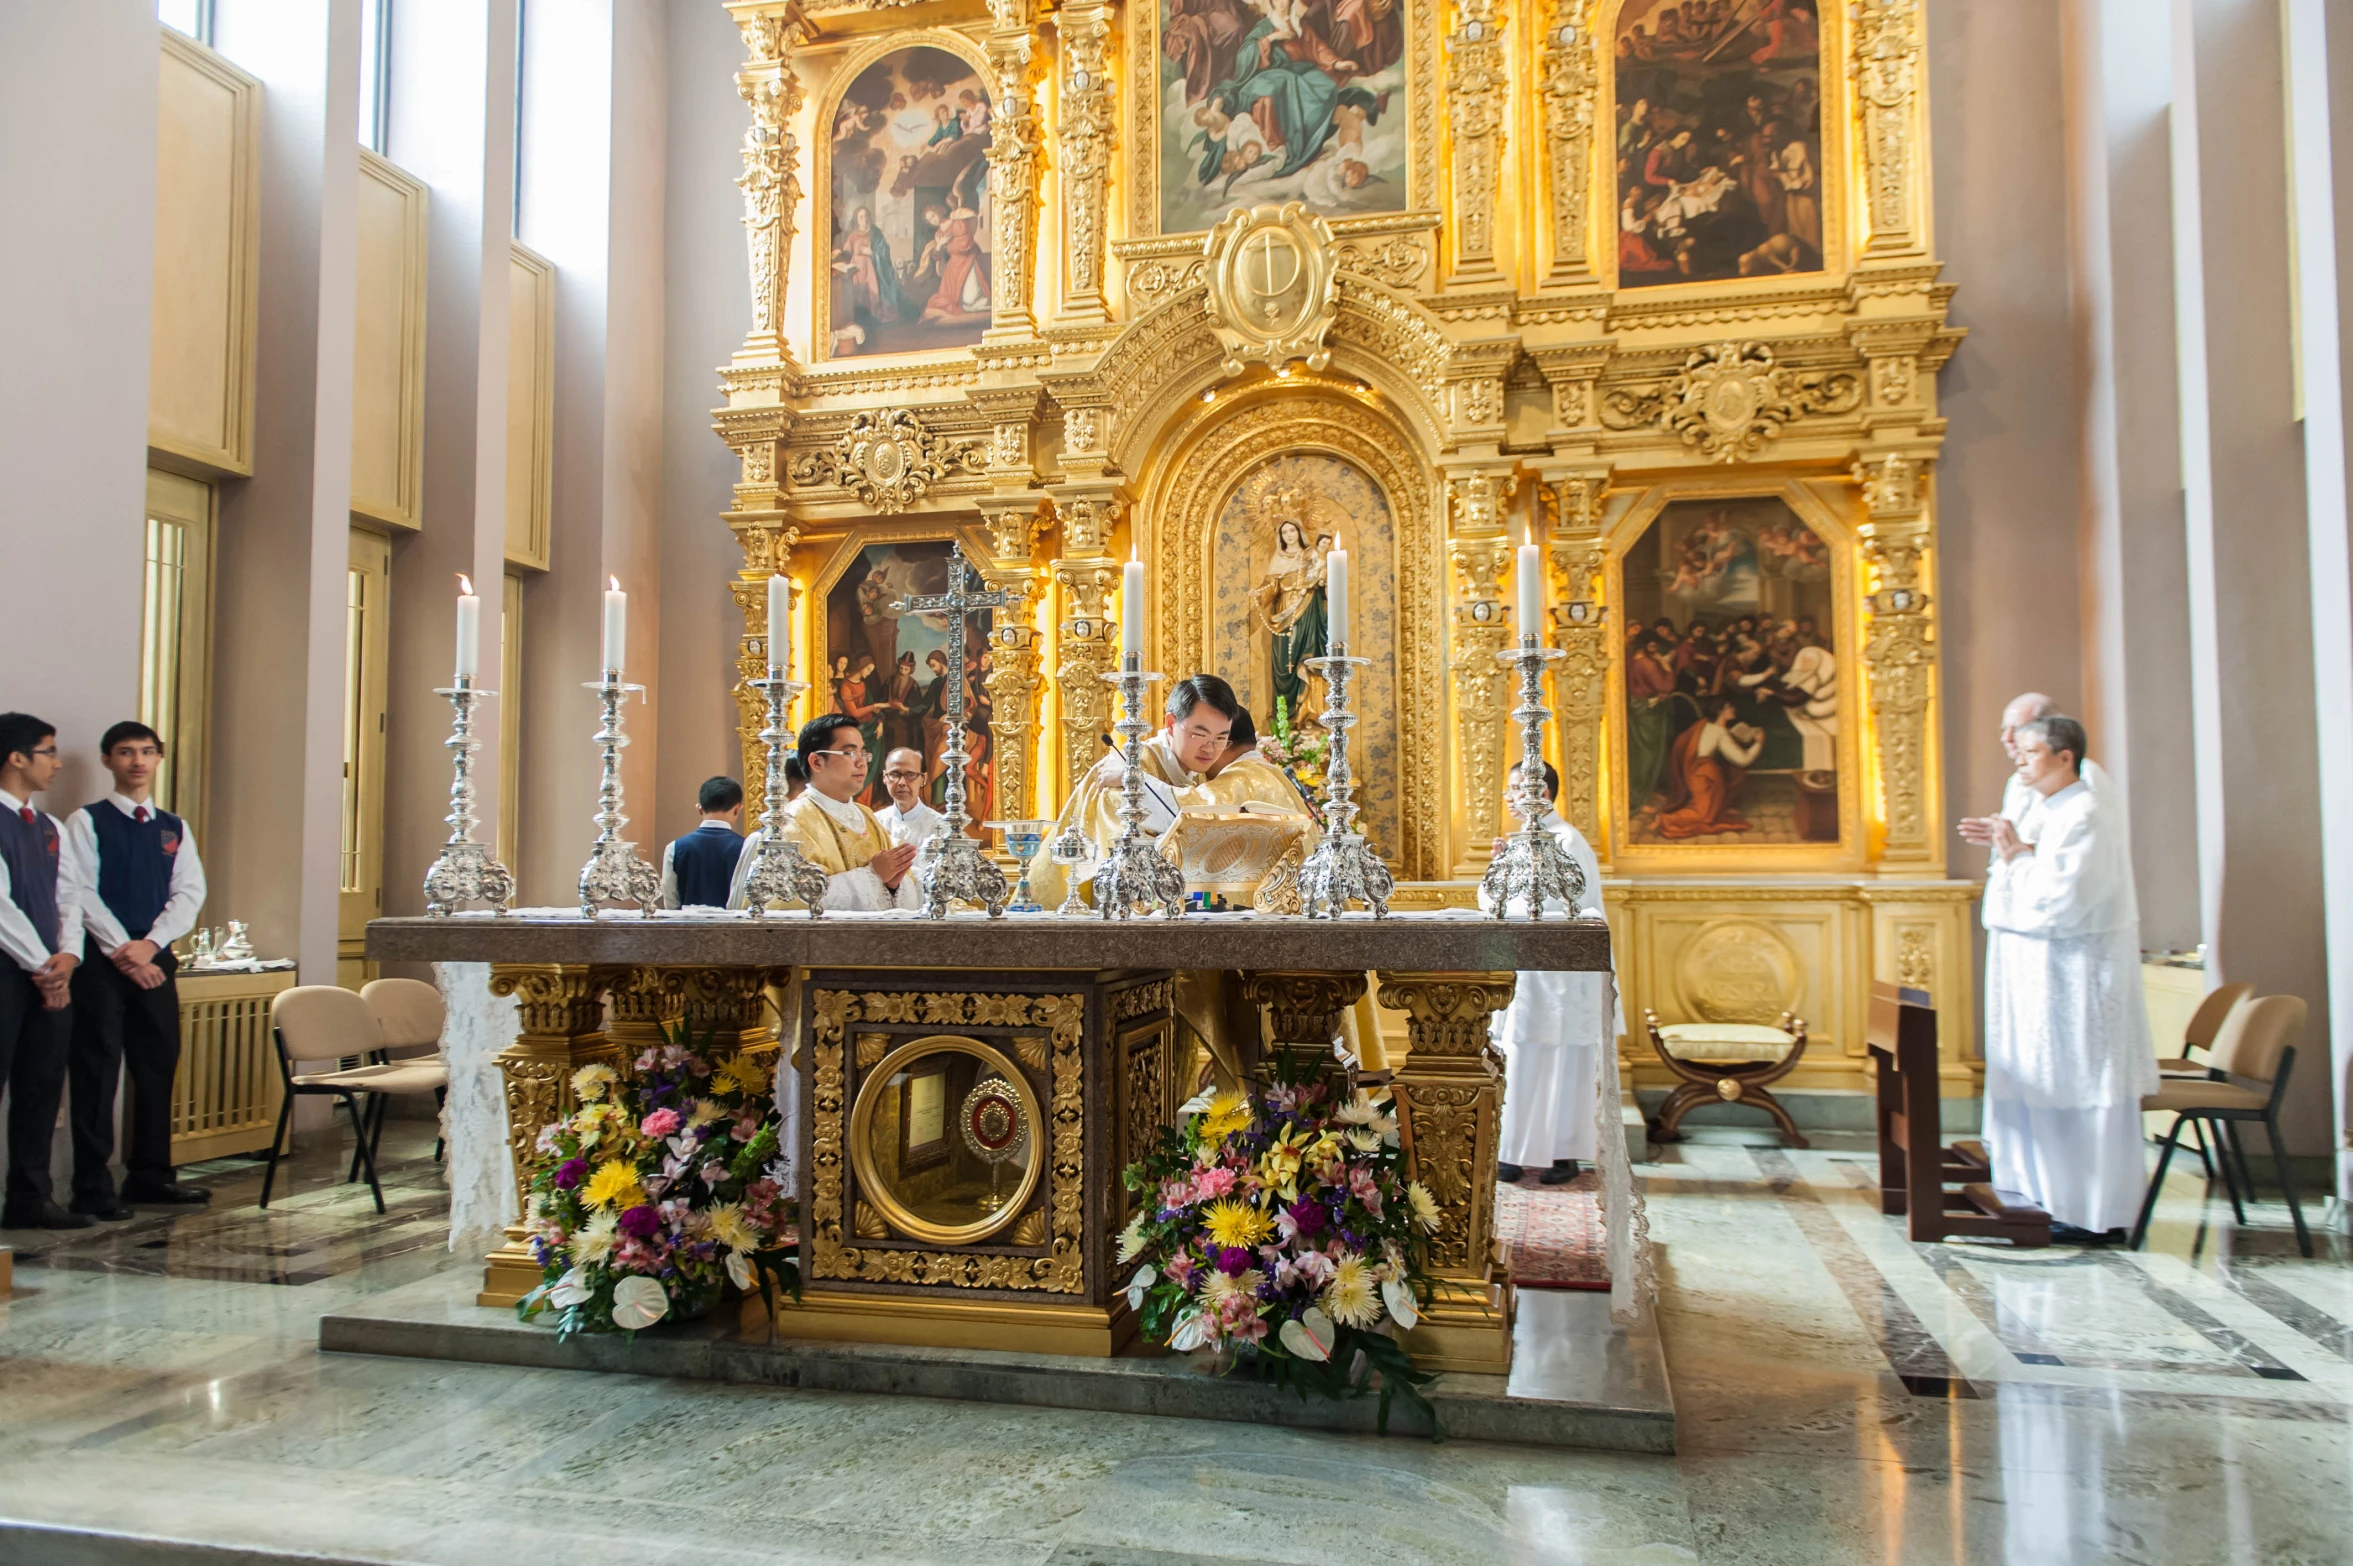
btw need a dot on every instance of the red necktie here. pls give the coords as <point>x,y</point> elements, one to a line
<point>139,814</point>
<point>26,811</point>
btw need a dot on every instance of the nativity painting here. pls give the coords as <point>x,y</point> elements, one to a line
<point>1732,699</point>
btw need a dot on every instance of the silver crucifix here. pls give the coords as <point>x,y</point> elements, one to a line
<point>951,868</point>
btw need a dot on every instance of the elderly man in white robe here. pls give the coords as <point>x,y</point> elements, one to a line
<point>2019,801</point>
<point>2067,1052</point>
<point>1551,1037</point>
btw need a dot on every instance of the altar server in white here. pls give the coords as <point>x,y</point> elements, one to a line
<point>2020,802</point>
<point>907,818</point>
<point>838,835</point>
<point>2067,1052</point>
<point>1551,1037</point>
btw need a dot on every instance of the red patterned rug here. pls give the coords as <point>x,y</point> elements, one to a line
<point>1553,1233</point>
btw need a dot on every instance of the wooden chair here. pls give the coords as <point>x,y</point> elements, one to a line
<point>1725,1063</point>
<point>2257,1045</point>
<point>410,1016</point>
<point>327,1022</point>
<point>1915,1167</point>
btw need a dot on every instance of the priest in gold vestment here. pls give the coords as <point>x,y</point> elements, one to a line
<point>836,833</point>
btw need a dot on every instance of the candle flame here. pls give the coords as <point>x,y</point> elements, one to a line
<point>615,581</point>
<point>465,584</point>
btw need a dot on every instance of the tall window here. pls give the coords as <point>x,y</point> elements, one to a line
<point>175,636</point>
<point>375,75</point>
<point>516,217</point>
<point>192,17</point>
<point>366,652</point>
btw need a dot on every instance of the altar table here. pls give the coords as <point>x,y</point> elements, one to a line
<point>1064,1030</point>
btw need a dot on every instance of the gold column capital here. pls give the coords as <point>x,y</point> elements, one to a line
<point>1305,1007</point>
<point>1899,649</point>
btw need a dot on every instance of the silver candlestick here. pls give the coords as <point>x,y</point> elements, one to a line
<point>614,873</point>
<point>1532,864</point>
<point>1135,874</point>
<point>951,868</point>
<point>466,872</point>
<point>1341,865</point>
<point>779,870</point>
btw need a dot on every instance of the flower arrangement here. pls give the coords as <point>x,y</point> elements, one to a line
<point>659,1191</point>
<point>1303,750</point>
<point>1279,1226</point>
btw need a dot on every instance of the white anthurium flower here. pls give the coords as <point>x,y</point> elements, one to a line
<point>1397,1294</point>
<point>1191,1331</point>
<point>568,1291</point>
<point>1140,1285</point>
<point>739,1271</point>
<point>1310,1335</point>
<point>1199,1102</point>
<point>638,1302</point>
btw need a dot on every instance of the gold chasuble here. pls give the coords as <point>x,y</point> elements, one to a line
<point>831,845</point>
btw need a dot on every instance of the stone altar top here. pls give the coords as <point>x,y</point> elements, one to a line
<point>1451,941</point>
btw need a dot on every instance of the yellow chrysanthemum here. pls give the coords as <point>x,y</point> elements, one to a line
<point>594,1241</point>
<point>1131,1239</point>
<point>1423,1205</point>
<point>1228,1113</point>
<point>1350,1298</point>
<point>1236,1225</point>
<point>590,1083</point>
<point>730,1229</point>
<point>613,1185</point>
<point>738,1075</point>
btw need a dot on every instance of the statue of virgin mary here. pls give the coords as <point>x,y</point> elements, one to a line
<point>1289,600</point>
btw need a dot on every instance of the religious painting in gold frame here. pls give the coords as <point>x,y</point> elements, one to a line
<point>890,671</point>
<point>1735,694</point>
<point>1241,103</point>
<point>904,236</point>
<point>1725,140</point>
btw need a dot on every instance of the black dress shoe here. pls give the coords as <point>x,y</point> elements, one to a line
<point>170,1194</point>
<point>46,1216</point>
<point>1563,1170</point>
<point>108,1208</point>
<point>2069,1234</point>
<point>1509,1174</point>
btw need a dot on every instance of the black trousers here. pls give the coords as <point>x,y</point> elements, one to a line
<point>33,1046</point>
<point>121,1029</point>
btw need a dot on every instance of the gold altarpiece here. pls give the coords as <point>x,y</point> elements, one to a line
<point>1473,306</point>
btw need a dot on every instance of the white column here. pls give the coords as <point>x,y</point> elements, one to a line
<point>77,159</point>
<point>2311,180</point>
<point>452,124</point>
<point>278,608</point>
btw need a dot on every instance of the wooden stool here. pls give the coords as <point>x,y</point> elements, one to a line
<point>1915,1167</point>
<point>1725,1063</point>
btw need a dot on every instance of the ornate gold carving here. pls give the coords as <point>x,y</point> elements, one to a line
<point>1063,1271</point>
<point>1086,523</point>
<point>1030,1228</point>
<point>1278,892</point>
<point>1013,165</point>
<point>1084,124</point>
<point>1032,1052</point>
<point>1271,286</point>
<point>1449,1104</point>
<point>1086,575</point>
<point>1144,1094</point>
<point>1737,970</point>
<point>1155,280</point>
<point>871,1225</point>
<point>1730,398</point>
<point>561,1009</point>
<point>1476,88</point>
<point>1885,60</point>
<point>1398,260</point>
<point>1158,995</point>
<point>1915,957</point>
<point>1304,1008</point>
<point>1899,649</point>
<point>1568,83</point>
<point>1580,680</point>
<point>871,1048</point>
<point>1082,431</point>
<point>770,181</point>
<point>888,459</point>
<point>1480,634</point>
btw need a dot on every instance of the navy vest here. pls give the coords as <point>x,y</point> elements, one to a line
<point>704,863</point>
<point>29,849</point>
<point>135,864</point>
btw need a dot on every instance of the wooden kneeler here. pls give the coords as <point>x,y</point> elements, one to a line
<point>1915,1167</point>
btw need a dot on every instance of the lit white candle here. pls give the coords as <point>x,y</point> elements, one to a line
<point>1336,597</point>
<point>780,626</point>
<point>469,631</point>
<point>1531,585</point>
<point>1131,609</point>
<point>616,624</point>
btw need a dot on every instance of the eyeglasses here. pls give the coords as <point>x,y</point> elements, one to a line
<point>46,750</point>
<point>846,755</point>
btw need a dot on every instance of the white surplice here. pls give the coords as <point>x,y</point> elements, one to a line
<point>917,826</point>
<point>2067,1052</point>
<point>1551,1037</point>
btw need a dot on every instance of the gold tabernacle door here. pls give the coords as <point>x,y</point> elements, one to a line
<point>1237,852</point>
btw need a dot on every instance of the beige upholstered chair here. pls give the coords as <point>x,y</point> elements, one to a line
<point>410,1016</point>
<point>2257,1046</point>
<point>1725,1063</point>
<point>2205,1026</point>
<point>327,1022</point>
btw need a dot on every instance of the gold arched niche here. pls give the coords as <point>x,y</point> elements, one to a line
<point>1299,414</point>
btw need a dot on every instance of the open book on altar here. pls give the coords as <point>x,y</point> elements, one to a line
<point>1232,850</point>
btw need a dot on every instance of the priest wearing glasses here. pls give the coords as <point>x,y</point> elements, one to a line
<point>864,868</point>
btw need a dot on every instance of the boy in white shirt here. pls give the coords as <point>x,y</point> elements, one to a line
<point>41,935</point>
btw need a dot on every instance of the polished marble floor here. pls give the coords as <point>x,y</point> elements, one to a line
<point>1844,1396</point>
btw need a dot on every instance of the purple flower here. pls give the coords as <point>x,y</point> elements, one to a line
<point>570,1173</point>
<point>641,1223</point>
<point>1232,1260</point>
<point>1308,1215</point>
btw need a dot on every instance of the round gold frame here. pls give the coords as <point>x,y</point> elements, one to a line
<point>872,1188</point>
